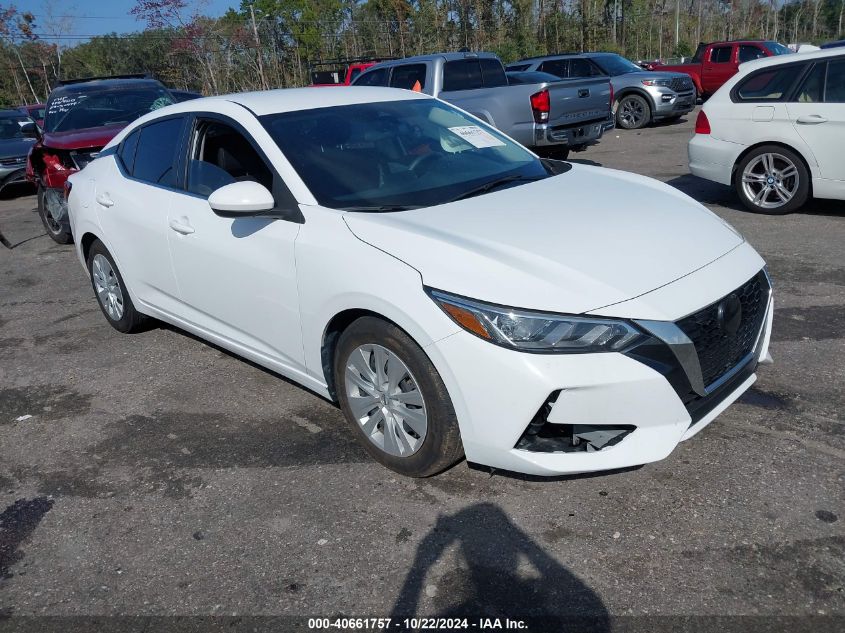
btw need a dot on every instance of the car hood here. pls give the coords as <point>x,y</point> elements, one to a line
<point>79,139</point>
<point>653,74</point>
<point>572,243</point>
<point>12,148</point>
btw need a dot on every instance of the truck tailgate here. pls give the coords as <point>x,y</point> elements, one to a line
<point>577,101</point>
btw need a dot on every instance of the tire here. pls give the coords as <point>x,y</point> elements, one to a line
<point>56,230</point>
<point>421,450</point>
<point>775,173</point>
<point>106,280</point>
<point>632,112</point>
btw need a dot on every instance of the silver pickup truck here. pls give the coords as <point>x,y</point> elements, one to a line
<point>553,116</point>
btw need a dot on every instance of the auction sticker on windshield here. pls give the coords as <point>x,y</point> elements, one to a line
<point>476,136</point>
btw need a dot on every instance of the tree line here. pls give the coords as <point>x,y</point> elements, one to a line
<point>262,44</point>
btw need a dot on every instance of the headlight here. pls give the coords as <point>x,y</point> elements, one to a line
<point>657,82</point>
<point>530,331</point>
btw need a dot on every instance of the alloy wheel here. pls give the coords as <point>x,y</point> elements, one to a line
<point>632,112</point>
<point>770,180</point>
<point>107,286</point>
<point>385,400</point>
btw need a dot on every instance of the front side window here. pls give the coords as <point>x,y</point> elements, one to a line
<point>84,109</point>
<point>221,155</point>
<point>389,156</point>
<point>462,74</point>
<point>769,85</point>
<point>720,54</point>
<point>409,77</point>
<point>776,48</point>
<point>812,90</point>
<point>581,68</point>
<point>749,53</point>
<point>157,153</point>
<point>377,77</point>
<point>556,67</point>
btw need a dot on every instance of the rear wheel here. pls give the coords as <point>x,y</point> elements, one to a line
<point>632,112</point>
<point>51,212</point>
<point>772,179</point>
<point>111,292</point>
<point>394,400</point>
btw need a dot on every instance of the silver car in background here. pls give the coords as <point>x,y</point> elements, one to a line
<point>17,136</point>
<point>641,96</point>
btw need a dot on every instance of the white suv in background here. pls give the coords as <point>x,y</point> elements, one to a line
<point>776,132</point>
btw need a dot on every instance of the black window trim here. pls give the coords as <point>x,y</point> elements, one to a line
<point>180,151</point>
<point>286,205</point>
<point>788,94</point>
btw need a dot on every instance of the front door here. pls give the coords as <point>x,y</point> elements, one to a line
<point>237,277</point>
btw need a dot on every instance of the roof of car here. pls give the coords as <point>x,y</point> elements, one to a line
<point>105,84</point>
<point>12,113</point>
<point>292,99</point>
<point>776,60</point>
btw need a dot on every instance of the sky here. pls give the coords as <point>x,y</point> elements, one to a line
<point>97,17</point>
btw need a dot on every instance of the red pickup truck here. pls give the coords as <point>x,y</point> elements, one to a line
<point>341,72</point>
<point>713,64</point>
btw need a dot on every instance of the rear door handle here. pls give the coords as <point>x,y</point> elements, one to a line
<point>812,119</point>
<point>181,227</point>
<point>104,200</point>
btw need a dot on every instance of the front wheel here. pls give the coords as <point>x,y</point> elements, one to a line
<point>394,400</point>
<point>773,180</point>
<point>111,292</point>
<point>633,112</point>
<point>50,210</point>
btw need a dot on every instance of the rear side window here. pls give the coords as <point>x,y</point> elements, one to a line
<point>377,77</point>
<point>158,151</point>
<point>769,85</point>
<point>835,89</point>
<point>492,73</point>
<point>126,153</point>
<point>409,77</point>
<point>720,54</point>
<point>750,53</point>
<point>462,74</point>
<point>581,68</point>
<point>556,67</point>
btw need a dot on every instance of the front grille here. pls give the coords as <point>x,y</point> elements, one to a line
<point>718,349</point>
<point>10,162</point>
<point>681,84</point>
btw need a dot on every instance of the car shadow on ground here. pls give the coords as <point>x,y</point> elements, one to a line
<point>585,161</point>
<point>709,192</point>
<point>498,572</point>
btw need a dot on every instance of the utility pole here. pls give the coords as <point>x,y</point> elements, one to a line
<point>677,22</point>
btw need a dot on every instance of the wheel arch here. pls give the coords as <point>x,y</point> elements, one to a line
<point>85,242</point>
<point>629,90</point>
<point>786,146</point>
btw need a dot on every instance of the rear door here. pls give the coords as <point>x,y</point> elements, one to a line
<point>719,66</point>
<point>817,111</point>
<point>133,204</point>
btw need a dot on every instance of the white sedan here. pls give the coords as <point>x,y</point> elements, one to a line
<point>776,132</point>
<point>454,293</point>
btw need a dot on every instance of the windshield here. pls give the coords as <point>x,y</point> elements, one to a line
<point>776,49</point>
<point>615,65</point>
<point>10,127</point>
<point>394,155</point>
<point>96,108</point>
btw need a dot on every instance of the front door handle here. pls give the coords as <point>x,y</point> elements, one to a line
<point>812,119</point>
<point>104,200</point>
<point>181,227</point>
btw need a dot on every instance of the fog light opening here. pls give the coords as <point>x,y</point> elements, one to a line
<point>541,436</point>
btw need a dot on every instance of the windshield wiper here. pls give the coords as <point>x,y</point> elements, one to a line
<point>383,208</point>
<point>497,182</point>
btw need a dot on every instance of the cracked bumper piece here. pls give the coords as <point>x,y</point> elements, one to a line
<point>548,414</point>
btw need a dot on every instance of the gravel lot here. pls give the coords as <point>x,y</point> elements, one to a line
<point>158,475</point>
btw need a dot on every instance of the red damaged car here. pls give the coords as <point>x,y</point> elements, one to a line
<point>82,116</point>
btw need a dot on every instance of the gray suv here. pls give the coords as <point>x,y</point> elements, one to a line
<point>640,96</point>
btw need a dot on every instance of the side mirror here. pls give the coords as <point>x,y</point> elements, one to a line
<point>241,199</point>
<point>30,130</point>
